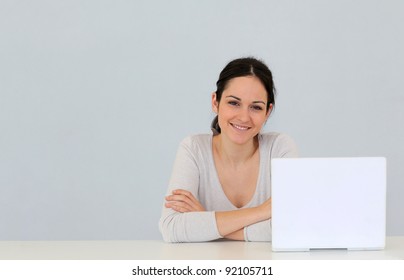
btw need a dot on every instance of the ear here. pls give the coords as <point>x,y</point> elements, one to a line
<point>269,111</point>
<point>215,104</point>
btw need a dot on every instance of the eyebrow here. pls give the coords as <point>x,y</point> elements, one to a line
<point>239,99</point>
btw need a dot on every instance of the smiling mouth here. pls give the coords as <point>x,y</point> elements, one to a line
<point>240,127</point>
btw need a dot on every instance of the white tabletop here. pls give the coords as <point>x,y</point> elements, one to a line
<point>158,250</point>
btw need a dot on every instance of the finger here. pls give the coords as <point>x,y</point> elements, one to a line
<point>183,192</point>
<point>179,207</point>
<point>184,196</point>
<point>188,194</point>
<point>188,197</point>
<point>192,205</point>
<point>195,202</point>
<point>183,204</point>
<point>180,198</point>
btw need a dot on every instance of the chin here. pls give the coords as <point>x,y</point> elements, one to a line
<point>239,137</point>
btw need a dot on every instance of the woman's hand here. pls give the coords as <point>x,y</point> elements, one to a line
<point>183,201</point>
<point>266,209</point>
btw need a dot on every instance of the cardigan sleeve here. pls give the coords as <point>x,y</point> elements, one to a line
<point>261,231</point>
<point>284,147</point>
<point>191,226</point>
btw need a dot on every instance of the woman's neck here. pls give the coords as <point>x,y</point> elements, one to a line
<point>234,154</point>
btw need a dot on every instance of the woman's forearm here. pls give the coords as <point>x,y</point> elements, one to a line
<point>237,235</point>
<point>229,222</point>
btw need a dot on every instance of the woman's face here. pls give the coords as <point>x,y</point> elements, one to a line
<point>242,109</point>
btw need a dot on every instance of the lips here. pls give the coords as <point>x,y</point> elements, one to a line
<point>240,127</point>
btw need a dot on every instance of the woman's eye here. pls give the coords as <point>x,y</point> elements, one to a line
<point>234,103</point>
<point>258,108</point>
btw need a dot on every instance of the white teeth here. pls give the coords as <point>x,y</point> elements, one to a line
<point>240,127</point>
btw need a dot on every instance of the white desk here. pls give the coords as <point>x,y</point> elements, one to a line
<point>158,250</point>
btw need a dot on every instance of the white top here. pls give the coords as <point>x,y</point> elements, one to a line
<point>194,170</point>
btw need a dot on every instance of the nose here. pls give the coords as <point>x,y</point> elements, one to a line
<point>244,115</point>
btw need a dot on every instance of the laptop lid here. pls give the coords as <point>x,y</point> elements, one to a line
<point>328,203</point>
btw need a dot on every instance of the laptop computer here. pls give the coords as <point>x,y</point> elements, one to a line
<point>328,203</point>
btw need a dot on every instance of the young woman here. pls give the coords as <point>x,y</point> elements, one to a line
<point>221,183</point>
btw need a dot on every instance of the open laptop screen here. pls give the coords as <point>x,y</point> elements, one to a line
<point>325,203</point>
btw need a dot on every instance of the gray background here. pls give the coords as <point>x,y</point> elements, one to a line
<point>96,96</point>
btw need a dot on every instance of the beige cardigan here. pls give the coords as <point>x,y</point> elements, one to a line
<point>194,170</point>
